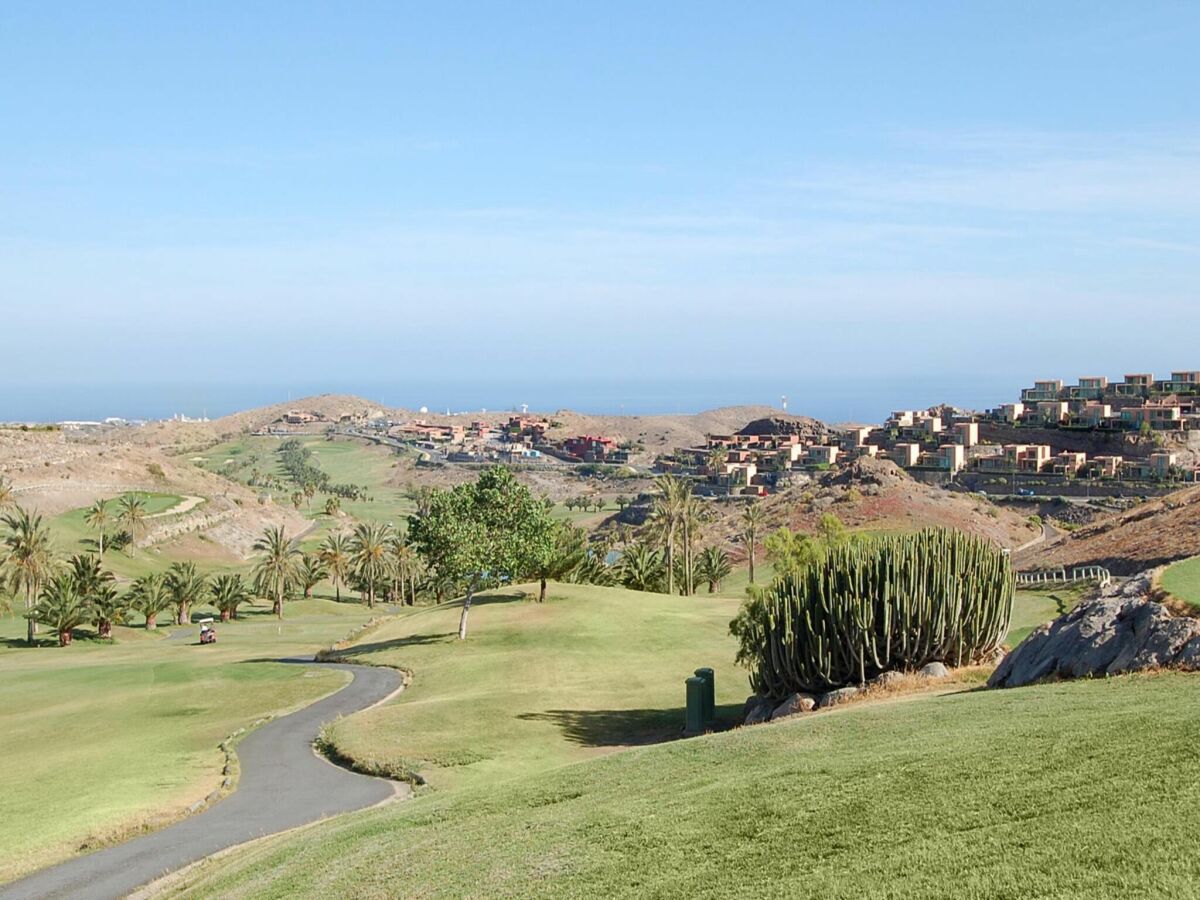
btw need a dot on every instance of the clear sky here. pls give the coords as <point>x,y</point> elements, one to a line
<point>770,196</point>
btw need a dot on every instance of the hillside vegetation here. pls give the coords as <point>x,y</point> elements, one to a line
<point>996,794</point>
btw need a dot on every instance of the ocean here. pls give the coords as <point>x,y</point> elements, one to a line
<point>844,399</point>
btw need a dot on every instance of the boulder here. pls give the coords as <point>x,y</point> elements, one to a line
<point>833,698</point>
<point>1120,630</point>
<point>934,670</point>
<point>793,705</point>
<point>885,679</point>
<point>757,710</point>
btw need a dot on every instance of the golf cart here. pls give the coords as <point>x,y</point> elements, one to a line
<point>208,634</point>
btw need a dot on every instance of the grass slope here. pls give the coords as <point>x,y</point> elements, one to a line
<point>539,685</point>
<point>1182,580</point>
<point>100,738</point>
<point>996,794</point>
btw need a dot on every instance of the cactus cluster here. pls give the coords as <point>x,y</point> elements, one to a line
<point>874,604</point>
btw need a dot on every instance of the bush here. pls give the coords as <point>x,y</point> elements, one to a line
<point>881,603</point>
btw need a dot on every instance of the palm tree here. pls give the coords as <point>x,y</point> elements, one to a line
<point>30,559</point>
<point>715,460</point>
<point>228,593</point>
<point>642,568</point>
<point>61,607</point>
<point>310,572</point>
<point>369,556</point>
<point>563,555</point>
<point>335,553</point>
<point>713,567</point>
<point>7,495</point>
<point>403,565</point>
<point>666,511</point>
<point>98,590</point>
<point>332,506</point>
<point>752,522</point>
<point>186,587</point>
<point>691,520</point>
<point>276,568</point>
<point>132,515</point>
<point>149,596</point>
<point>97,517</point>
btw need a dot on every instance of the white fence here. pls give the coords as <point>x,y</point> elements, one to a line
<point>1098,574</point>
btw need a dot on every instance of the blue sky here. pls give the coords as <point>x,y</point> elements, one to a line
<point>947,198</point>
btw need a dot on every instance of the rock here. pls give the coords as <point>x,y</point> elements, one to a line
<point>833,698</point>
<point>933,670</point>
<point>887,678</point>
<point>1121,630</point>
<point>793,705</point>
<point>756,710</point>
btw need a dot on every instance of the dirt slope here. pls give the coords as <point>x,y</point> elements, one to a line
<point>1148,535</point>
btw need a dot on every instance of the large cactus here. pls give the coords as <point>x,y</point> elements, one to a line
<point>879,603</point>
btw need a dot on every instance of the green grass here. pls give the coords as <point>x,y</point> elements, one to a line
<point>345,461</point>
<point>72,535</point>
<point>986,794</point>
<point>1034,608</point>
<point>1182,580</point>
<point>100,738</point>
<point>539,685</point>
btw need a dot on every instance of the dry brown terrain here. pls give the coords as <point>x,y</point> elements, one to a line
<point>1150,534</point>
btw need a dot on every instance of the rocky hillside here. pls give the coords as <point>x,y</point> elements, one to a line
<point>1150,534</point>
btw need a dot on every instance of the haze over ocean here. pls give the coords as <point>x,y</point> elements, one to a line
<point>835,400</point>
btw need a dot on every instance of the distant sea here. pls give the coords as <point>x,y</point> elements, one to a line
<point>846,399</point>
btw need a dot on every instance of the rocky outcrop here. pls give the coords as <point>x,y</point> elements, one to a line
<point>810,430</point>
<point>934,670</point>
<point>794,705</point>
<point>1121,630</point>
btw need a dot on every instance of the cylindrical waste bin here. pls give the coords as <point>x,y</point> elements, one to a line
<point>710,694</point>
<point>695,706</point>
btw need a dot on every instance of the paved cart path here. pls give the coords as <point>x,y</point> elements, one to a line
<point>283,784</point>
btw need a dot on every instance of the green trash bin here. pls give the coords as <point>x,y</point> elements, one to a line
<point>695,706</point>
<point>710,694</point>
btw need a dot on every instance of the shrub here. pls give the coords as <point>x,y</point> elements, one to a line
<point>876,604</point>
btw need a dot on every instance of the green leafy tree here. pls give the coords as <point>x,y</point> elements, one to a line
<point>97,517</point>
<point>148,595</point>
<point>186,587</point>
<point>276,567</point>
<point>228,593</point>
<point>335,553</point>
<point>28,560</point>
<point>791,550</point>
<point>61,607</point>
<point>488,529</point>
<point>713,567</point>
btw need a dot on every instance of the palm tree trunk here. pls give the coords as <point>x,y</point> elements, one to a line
<point>278,610</point>
<point>64,638</point>
<point>752,559</point>
<point>101,545</point>
<point>337,588</point>
<point>30,625</point>
<point>542,592</point>
<point>671,560</point>
<point>152,622</point>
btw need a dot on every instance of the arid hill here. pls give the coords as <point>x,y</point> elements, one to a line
<point>1150,534</point>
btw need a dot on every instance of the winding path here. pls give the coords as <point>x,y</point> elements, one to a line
<point>283,784</point>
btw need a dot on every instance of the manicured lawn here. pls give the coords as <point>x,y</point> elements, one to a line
<point>345,461</point>
<point>72,535</point>
<point>1034,608</point>
<point>1183,580</point>
<point>1055,791</point>
<point>539,685</point>
<point>99,738</point>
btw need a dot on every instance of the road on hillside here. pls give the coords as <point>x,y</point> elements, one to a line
<point>283,784</point>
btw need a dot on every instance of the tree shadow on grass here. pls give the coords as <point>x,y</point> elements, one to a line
<point>412,640</point>
<point>626,727</point>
